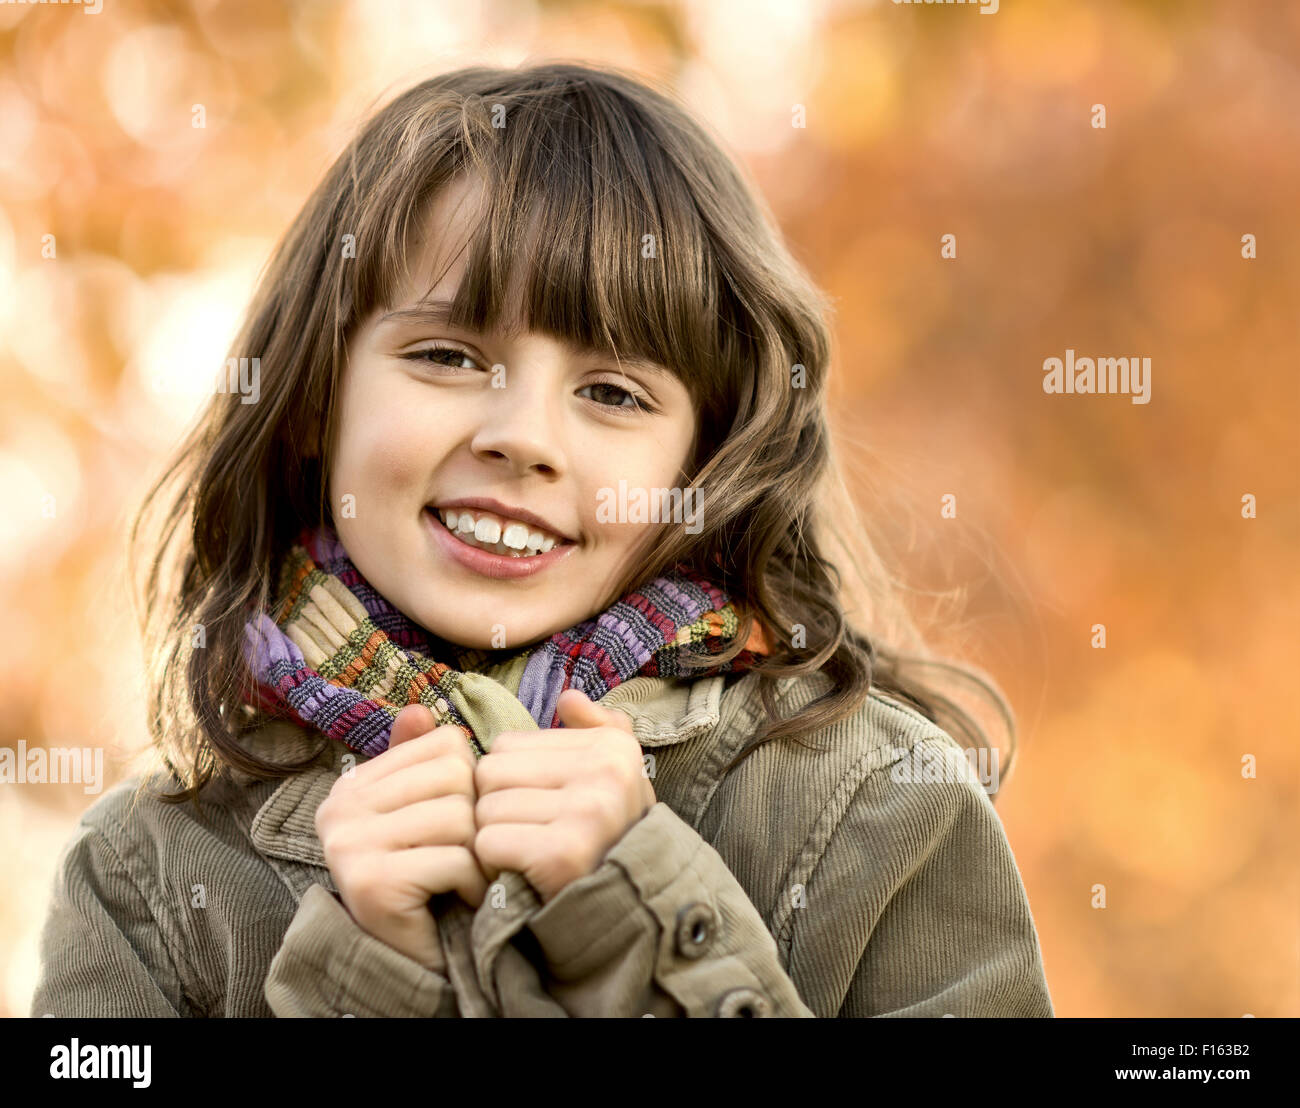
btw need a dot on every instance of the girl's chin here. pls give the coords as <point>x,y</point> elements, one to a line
<point>482,622</point>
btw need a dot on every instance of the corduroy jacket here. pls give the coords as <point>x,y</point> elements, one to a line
<point>802,883</point>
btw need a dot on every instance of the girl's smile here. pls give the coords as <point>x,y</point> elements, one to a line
<point>486,556</point>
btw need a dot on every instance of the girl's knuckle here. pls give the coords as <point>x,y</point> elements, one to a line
<point>363,884</point>
<point>496,846</point>
<point>465,824</point>
<point>609,775</point>
<point>571,847</point>
<point>450,740</point>
<point>611,809</point>
<point>485,847</point>
<point>330,841</point>
<point>460,775</point>
<point>597,805</point>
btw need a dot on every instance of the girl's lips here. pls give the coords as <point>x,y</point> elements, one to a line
<point>485,562</point>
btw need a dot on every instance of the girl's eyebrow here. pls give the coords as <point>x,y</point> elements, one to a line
<point>426,311</point>
<point>438,313</point>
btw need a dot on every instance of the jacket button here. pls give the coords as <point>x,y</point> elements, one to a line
<point>696,927</point>
<point>743,1004</point>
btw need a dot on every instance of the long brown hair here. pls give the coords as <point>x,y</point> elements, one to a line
<point>655,246</point>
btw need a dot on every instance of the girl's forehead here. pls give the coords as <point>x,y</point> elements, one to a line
<point>438,255</point>
<point>438,252</point>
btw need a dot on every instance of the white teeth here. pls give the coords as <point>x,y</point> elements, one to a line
<point>518,540</point>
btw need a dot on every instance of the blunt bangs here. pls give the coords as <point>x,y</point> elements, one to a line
<point>588,232</point>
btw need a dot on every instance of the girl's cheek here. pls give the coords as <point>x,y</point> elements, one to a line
<point>387,443</point>
<point>391,450</point>
<point>397,464</point>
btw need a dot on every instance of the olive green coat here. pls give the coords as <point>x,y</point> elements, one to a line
<point>803,883</point>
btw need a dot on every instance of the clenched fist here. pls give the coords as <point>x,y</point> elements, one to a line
<point>400,828</point>
<point>552,802</point>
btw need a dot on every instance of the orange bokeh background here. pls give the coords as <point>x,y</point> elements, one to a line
<point>920,121</point>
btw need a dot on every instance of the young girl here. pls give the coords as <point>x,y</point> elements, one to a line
<point>502,669</point>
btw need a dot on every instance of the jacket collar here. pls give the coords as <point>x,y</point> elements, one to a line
<point>664,711</point>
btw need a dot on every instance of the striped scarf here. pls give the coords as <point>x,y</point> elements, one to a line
<point>339,659</point>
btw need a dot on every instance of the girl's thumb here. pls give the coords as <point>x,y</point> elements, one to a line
<point>576,709</point>
<point>412,721</point>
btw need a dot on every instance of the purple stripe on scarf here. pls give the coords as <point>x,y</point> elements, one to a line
<point>598,655</point>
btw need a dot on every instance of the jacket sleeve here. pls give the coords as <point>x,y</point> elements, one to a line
<point>328,965</point>
<point>922,876</point>
<point>102,951</point>
<point>915,904</point>
<point>661,928</point>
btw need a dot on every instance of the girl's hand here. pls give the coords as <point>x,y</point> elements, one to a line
<point>400,828</point>
<point>551,803</point>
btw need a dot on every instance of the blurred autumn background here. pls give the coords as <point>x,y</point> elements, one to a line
<point>920,122</point>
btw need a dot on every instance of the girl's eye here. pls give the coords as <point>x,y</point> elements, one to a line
<point>618,399</point>
<point>446,356</point>
<point>637,403</point>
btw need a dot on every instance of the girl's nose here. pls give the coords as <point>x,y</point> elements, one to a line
<point>520,429</point>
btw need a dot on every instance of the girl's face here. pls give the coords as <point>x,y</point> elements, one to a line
<point>431,416</point>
